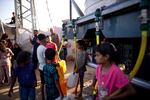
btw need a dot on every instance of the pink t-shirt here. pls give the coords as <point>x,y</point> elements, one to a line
<point>113,80</point>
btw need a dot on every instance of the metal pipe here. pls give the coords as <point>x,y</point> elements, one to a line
<point>70,9</point>
<point>33,15</point>
<point>21,17</point>
<point>80,13</point>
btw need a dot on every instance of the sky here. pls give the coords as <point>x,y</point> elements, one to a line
<point>59,10</point>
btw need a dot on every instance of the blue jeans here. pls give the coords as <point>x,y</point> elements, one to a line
<point>27,93</point>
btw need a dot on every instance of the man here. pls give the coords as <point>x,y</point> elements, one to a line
<point>34,54</point>
<point>34,40</point>
<point>50,44</point>
<point>41,59</point>
<point>35,44</point>
<point>13,19</point>
<point>54,37</point>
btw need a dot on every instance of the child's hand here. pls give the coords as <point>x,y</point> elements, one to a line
<point>75,71</point>
<point>61,96</point>
<point>10,92</point>
<point>107,98</point>
<point>58,65</point>
<point>94,91</point>
<point>35,83</point>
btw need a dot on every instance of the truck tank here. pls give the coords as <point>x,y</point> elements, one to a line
<point>122,27</point>
<point>92,5</point>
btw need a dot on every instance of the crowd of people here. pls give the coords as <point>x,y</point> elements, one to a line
<point>8,54</point>
<point>24,64</point>
<point>16,63</point>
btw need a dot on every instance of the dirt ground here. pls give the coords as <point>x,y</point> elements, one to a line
<point>86,91</point>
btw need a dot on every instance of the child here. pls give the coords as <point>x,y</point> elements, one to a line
<point>5,62</point>
<point>16,49</point>
<point>80,64</point>
<point>51,77</point>
<point>26,77</point>
<point>110,78</point>
<point>64,49</point>
<point>41,60</point>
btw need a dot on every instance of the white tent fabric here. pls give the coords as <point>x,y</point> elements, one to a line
<point>23,40</point>
<point>23,36</point>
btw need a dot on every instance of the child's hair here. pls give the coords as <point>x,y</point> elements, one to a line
<point>50,54</point>
<point>106,49</point>
<point>4,42</point>
<point>2,47</point>
<point>23,57</point>
<point>41,37</point>
<point>81,44</point>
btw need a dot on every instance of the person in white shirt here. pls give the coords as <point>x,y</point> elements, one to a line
<point>41,59</point>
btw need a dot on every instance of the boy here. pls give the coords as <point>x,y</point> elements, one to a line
<point>41,59</point>
<point>51,78</point>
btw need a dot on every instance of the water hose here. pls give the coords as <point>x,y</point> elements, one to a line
<point>144,32</point>
<point>75,40</point>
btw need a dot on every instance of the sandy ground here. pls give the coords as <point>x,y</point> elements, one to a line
<point>86,92</point>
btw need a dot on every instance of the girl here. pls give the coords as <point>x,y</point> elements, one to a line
<point>51,78</point>
<point>25,73</point>
<point>5,62</point>
<point>16,50</point>
<point>110,78</point>
<point>80,64</point>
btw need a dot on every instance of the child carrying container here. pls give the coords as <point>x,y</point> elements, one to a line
<point>51,77</point>
<point>81,59</point>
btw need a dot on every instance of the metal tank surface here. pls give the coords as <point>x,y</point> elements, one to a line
<point>92,5</point>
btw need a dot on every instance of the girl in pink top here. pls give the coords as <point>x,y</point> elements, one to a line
<point>108,75</point>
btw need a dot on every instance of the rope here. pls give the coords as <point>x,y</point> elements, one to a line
<point>49,12</point>
<point>37,20</point>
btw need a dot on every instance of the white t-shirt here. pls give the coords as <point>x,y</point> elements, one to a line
<point>41,56</point>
